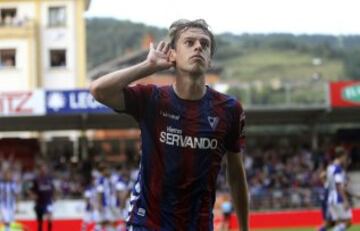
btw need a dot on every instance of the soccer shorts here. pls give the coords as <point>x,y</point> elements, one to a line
<point>107,215</point>
<point>137,228</point>
<point>44,209</point>
<point>91,216</point>
<point>338,212</point>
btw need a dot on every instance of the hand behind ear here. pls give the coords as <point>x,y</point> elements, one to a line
<point>159,58</point>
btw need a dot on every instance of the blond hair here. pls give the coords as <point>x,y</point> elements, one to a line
<point>182,25</point>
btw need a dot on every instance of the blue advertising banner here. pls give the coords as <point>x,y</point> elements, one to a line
<point>73,101</point>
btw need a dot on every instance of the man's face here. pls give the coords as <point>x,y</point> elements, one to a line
<point>7,175</point>
<point>193,51</point>
<point>345,161</point>
<point>43,169</point>
<point>106,172</point>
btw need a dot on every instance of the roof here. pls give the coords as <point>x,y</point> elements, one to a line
<point>87,6</point>
<point>262,116</point>
<point>314,115</point>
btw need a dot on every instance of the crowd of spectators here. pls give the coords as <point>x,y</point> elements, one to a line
<point>287,176</point>
<point>278,177</point>
<point>275,174</point>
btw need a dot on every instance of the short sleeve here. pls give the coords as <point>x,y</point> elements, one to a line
<point>338,175</point>
<point>100,188</point>
<point>235,139</point>
<point>120,186</point>
<point>87,194</point>
<point>136,99</point>
<point>339,178</point>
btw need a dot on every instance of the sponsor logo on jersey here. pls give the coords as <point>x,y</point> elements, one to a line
<point>213,121</point>
<point>169,115</point>
<point>141,212</point>
<point>174,137</point>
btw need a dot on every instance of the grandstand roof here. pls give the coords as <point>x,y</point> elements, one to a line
<point>260,116</point>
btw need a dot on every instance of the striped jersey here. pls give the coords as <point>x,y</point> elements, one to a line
<point>8,193</point>
<point>120,185</point>
<point>335,175</point>
<point>183,143</point>
<point>90,194</point>
<point>104,190</point>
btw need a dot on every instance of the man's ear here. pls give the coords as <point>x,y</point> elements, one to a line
<point>172,55</point>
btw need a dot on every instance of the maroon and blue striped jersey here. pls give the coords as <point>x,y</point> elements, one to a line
<point>183,143</point>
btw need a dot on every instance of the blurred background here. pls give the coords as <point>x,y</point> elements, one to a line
<point>294,66</point>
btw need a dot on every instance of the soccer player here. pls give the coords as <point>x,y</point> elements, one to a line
<point>226,208</point>
<point>104,197</point>
<point>121,185</point>
<point>91,216</point>
<point>328,222</point>
<point>43,193</point>
<point>186,130</point>
<point>338,201</point>
<point>8,197</point>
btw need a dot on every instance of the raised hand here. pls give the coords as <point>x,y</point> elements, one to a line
<point>159,58</point>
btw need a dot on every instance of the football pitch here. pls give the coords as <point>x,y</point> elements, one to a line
<point>353,228</point>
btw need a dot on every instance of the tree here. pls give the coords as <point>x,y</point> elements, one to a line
<point>352,64</point>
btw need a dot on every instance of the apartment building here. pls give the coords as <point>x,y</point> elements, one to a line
<point>42,44</point>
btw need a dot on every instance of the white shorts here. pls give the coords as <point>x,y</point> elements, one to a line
<point>7,214</point>
<point>338,212</point>
<point>106,215</point>
<point>116,213</point>
<point>91,216</point>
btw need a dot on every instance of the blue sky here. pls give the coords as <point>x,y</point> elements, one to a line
<point>337,17</point>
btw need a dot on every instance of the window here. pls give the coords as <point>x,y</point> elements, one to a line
<point>7,16</point>
<point>57,16</point>
<point>57,58</point>
<point>7,58</point>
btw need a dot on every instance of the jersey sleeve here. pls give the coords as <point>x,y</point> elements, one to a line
<point>87,194</point>
<point>235,139</point>
<point>120,186</point>
<point>338,175</point>
<point>136,99</point>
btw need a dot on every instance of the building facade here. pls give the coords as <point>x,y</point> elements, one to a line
<point>42,44</point>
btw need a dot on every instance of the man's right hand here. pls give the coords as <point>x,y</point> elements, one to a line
<point>108,89</point>
<point>159,58</point>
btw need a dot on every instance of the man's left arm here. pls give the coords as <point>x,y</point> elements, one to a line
<point>238,188</point>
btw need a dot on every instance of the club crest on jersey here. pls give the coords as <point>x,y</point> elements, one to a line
<point>213,121</point>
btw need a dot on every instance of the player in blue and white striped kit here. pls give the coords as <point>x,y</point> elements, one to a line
<point>8,196</point>
<point>121,187</point>
<point>104,195</point>
<point>91,205</point>
<point>337,198</point>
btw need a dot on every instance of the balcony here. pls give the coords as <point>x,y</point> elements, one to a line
<point>17,28</point>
